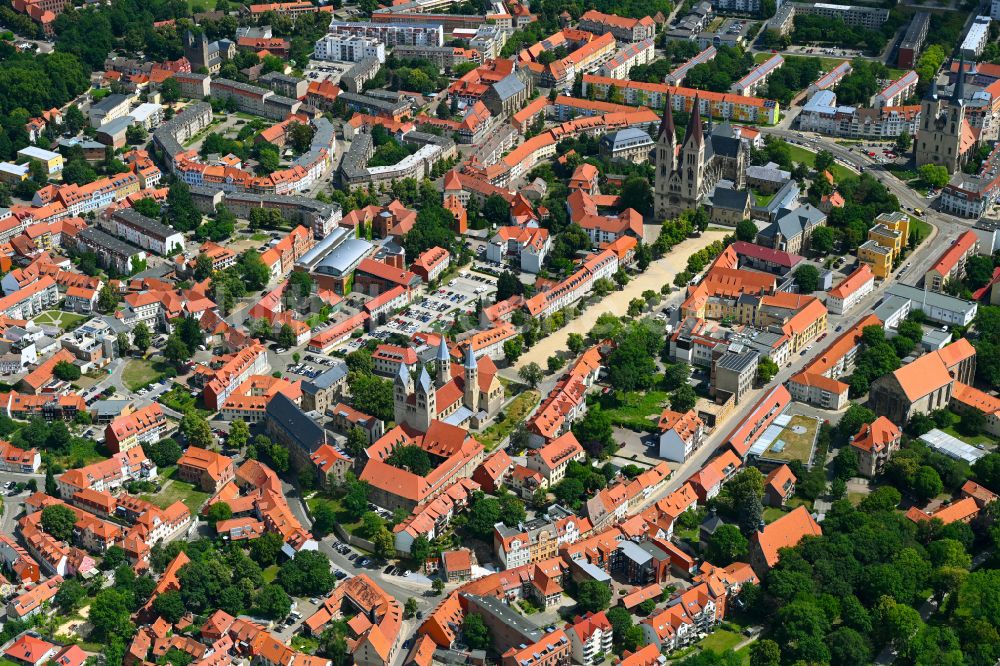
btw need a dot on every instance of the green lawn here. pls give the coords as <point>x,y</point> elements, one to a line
<point>978,439</point>
<point>514,414</point>
<point>270,573</point>
<point>800,154</point>
<point>64,320</point>
<point>342,518</point>
<point>826,63</point>
<point>922,228</point>
<point>81,452</point>
<point>855,498</point>
<point>772,513</point>
<point>306,644</point>
<point>634,410</point>
<point>178,490</point>
<point>140,372</point>
<point>763,199</point>
<point>720,641</point>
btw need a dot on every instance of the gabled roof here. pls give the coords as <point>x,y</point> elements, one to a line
<point>785,532</point>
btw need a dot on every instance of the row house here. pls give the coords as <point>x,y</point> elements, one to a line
<point>143,426</point>
<point>106,475</point>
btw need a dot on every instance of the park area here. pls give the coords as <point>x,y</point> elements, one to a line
<point>173,490</point>
<point>67,321</point>
<point>141,372</point>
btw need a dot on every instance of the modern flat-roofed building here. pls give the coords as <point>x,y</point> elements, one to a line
<point>111,107</point>
<point>913,40</point>
<point>348,48</point>
<point>53,162</point>
<point>391,34</point>
<point>976,38</point>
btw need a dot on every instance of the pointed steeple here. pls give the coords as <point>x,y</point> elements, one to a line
<point>470,358</point>
<point>667,122</point>
<point>694,125</point>
<point>958,95</point>
<point>403,376</point>
<point>442,353</point>
<point>425,380</point>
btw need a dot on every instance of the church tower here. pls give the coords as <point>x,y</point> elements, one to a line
<point>426,402</point>
<point>443,364</point>
<point>692,157</point>
<point>666,156</point>
<point>471,380</point>
<point>939,140</point>
<point>402,386</point>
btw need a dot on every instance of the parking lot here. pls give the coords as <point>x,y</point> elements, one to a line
<point>311,366</point>
<point>437,309</point>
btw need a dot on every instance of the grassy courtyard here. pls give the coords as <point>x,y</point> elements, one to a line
<point>64,320</point>
<point>514,414</point>
<point>140,372</point>
<point>634,410</point>
<point>174,490</point>
<point>922,228</point>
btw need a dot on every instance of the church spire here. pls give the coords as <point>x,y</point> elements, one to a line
<point>694,125</point>
<point>667,122</point>
<point>958,95</point>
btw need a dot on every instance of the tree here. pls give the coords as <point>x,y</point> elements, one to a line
<point>141,337</point>
<point>807,278</point>
<point>286,336</point>
<point>114,557</point>
<point>306,574</point>
<point>845,464</point>
<point>592,596</point>
<point>475,632</point>
<point>170,90</point>
<point>848,647</point>
<point>496,210</point>
<point>357,442</point>
<point>420,549</point>
<point>239,434</point>
<point>218,512</point>
<point>726,545</point>
<point>58,520</point>
<point>821,240</point>
<point>107,299</point>
<point>110,615</point>
<point>684,398</point>
<point>437,585</point>
<point>181,211</point>
<point>196,430</point>
<point>164,453</point>
<point>136,134</point>
<point>170,606</point>
<point>904,142</point>
<point>766,370</point>
<point>765,652</point>
<point>746,231</point>
<point>273,602</point>
<point>484,514</point>
<point>637,194</point>
<point>623,630</point>
<point>513,348</point>
<point>69,596</point>
<point>66,371</point>
<point>594,431</point>
<point>51,487</point>
<point>575,343</point>
<point>265,550</point>
<point>373,394</point>
<point>355,500</point>
<point>927,483</point>
<point>934,175</point>
<point>531,374</point>
<point>176,351</point>
<point>978,271</point>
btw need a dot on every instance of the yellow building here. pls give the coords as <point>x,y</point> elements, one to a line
<point>12,174</point>
<point>878,256</point>
<point>892,231</point>
<point>53,162</point>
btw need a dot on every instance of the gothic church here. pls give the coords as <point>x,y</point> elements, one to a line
<point>685,176</point>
